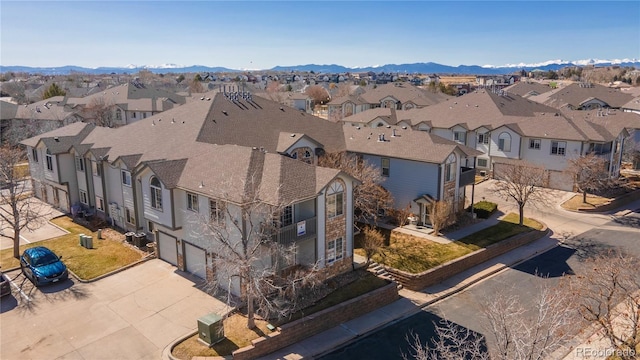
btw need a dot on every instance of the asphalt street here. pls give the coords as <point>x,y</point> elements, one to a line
<point>620,233</point>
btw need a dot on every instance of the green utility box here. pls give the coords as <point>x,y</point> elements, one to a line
<point>210,329</point>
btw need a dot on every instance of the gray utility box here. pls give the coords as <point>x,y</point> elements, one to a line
<point>86,241</point>
<point>210,329</point>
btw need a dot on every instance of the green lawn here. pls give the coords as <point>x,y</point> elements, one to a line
<point>415,255</point>
<point>107,255</point>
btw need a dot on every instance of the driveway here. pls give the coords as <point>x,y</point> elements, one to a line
<point>43,232</point>
<point>134,314</point>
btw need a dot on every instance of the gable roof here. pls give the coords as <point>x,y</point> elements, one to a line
<point>407,144</point>
<point>404,93</point>
<point>576,94</point>
<point>61,139</point>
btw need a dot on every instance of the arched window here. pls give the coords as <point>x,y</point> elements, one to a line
<point>450,168</point>
<point>335,199</point>
<point>504,142</point>
<point>156,193</point>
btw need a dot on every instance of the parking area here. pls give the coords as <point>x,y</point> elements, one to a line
<point>43,232</point>
<point>133,314</point>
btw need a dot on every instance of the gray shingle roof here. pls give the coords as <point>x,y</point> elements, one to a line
<point>67,136</point>
<point>575,95</point>
<point>404,93</point>
<point>407,144</point>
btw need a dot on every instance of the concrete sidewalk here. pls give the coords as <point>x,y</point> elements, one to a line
<point>410,303</point>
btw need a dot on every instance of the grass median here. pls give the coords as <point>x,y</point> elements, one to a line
<point>106,256</point>
<point>414,254</point>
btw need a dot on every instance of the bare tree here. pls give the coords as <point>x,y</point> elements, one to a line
<point>275,92</point>
<point>515,329</point>
<point>318,94</point>
<point>608,295</point>
<point>520,182</point>
<point>195,86</point>
<point>18,209</point>
<point>369,197</point>
<point>439,215</point>
<point>590,174</point>
<point>241,237</point>
<point>100,112</point>
<point>372,241</point>
<point>452,342</point>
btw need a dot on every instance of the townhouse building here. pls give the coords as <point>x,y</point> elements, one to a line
<point>170,173</point>
<point>505,127</point>
<point>400,96</point>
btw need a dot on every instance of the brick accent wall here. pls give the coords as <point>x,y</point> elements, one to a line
<point>336,227</point>
<point>298,330</point>
<point>181,260</point>
<point>442,272</point>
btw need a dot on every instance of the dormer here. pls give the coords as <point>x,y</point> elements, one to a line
<point>299,146</point>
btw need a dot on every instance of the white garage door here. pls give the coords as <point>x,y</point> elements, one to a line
<point>196,260</point>
<point>560,180</point>
<point>167,248</point>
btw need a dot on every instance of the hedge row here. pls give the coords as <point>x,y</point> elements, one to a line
<point>483,209</point>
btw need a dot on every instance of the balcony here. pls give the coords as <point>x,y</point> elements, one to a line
<point>299,231</point>
<point>467,176</point>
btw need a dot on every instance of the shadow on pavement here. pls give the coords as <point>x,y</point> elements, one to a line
<point>8,302</point>
<point>395,341</point>
<point>630,221</point>
<point>552,263</point>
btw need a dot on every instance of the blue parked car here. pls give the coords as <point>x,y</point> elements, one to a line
<point>42,266</point>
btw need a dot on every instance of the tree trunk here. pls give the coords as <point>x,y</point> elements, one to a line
<point>584,197</point>
<point>251,323</point>
<point>16,245</point>
<point>521,210</point>
<point>16,234</point>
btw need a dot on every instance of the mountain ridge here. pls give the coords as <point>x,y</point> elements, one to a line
<point>410,68</point>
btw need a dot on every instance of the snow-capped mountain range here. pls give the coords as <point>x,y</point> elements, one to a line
<point>422,68</point>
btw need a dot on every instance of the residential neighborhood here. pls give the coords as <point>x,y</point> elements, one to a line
<point>296,180</point>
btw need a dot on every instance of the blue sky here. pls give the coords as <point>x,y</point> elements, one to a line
<point>263,34</point>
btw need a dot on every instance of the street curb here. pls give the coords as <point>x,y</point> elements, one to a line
<point>455,290</point>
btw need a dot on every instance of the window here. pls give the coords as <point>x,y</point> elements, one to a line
<point>100,203</point>
<point>386,166</point>
<point>49,160</point>
<point>335,250</point>
<point>83,197</point>
<point>504,142</point>
<point>128,216</point>
<point>450,168</point>
<point>307,156</point>
<point>118,114</point>
<point>286,216</point>
<point>144,115</point>
<point>79,163</point>
<point>483,138</point>
<point>96,169</point>
<point>133,115</point>
<point>335,199</point>
<point>151,226</point>
<point>482,162</point>
<point>459,136</point>
<point>34,154</point>
<point>534,144</point>
<point>216,211</point>
<point>156,193</point>
<point>126,178</point>
<point>192,202</point>
<point>558,147</point>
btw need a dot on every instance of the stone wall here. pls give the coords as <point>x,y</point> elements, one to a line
<point>298,330</point>
<point>442,272</point>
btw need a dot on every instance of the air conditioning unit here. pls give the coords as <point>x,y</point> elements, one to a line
<point>483,173</point>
